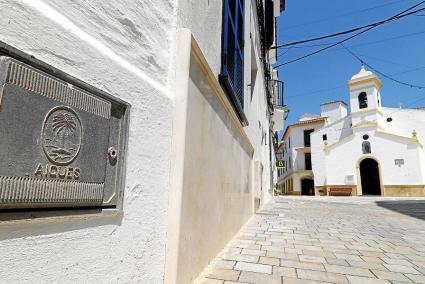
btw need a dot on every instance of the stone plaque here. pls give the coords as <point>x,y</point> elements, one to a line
<point>399,162</point>
<point>59,144</point>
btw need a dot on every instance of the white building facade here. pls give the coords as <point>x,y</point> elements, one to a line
<point>296,177</point>
<point>205,105</point>
<point>372,151</point>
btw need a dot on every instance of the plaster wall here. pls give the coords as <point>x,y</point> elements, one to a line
<point>394,134</point>
<point>128,49</point>
<point>204,20</point>
<point>255,104</point>
<point>333,111</point>
<point>334,132</point>
<point>332,166</point>
<point>297,149</point>
<point>404,122</point>
<point>294,156</point>
<point>122,47</point>
<point>212,166</point>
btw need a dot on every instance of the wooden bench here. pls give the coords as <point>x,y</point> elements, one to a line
<point>340,191</point>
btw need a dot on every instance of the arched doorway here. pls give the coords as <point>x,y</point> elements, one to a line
<point>369,176</point>
<point>307,186</point>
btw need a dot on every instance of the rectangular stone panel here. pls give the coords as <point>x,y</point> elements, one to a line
<point>59,144</point>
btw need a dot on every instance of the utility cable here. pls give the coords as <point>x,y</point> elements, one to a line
<point>342,41</point>
<point>351,46</point>
<point>341,15</point>
<point>379,72</point>
<point>344,86</point>
<point>395,17</point>
<point>323,49</point>
<point>360,44</point>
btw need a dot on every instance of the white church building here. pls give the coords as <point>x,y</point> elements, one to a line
<point>371,150</point>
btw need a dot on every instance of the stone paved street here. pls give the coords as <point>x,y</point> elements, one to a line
<point>327,240</point>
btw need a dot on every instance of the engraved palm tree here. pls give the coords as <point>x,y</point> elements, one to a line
<point>63,125</point>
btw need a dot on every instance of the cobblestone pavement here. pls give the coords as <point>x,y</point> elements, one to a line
<point>327,240</point>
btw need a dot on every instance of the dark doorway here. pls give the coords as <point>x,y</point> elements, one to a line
<point>307,186</point>
<point>369,175</point>
<point>307,140</point>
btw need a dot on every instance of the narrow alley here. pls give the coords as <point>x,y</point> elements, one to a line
<point>327,240</point>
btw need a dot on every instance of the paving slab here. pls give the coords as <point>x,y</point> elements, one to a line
<point>366,280</point>
<point>322,276</point>
<point>259,278</point>
<point>254,267</point>
<point>326,240</point>
<point>224,274</point>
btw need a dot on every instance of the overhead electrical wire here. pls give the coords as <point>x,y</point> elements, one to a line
<point>395,17</point>
<point>341,15</point>
<point>287,49</point>
<point>360,44</point>
<point>351,46</point>
<point>322,49</point>
<point>344,86</point>
<point>379,72</point>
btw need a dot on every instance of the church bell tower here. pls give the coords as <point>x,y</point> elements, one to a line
<point>365,97</point>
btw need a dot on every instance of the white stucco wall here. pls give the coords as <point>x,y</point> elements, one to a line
<point>297,143</point>
<point>294,156</point>
<point>341,161</point>
<point>334,132</point>
<point>128,49</point>
<point>123,48</point>
<point>333,111</point>
<point>392,140</point>
<point>212,195</point>
<point>393,134</point>
<point>204,19</point>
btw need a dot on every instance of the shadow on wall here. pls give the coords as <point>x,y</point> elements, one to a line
<point>413,208</point>
<point>48,222</point>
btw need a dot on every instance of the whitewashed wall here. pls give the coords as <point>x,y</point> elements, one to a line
<point>342,161</point>
<point>333,111</point>
<point>392,141</point>
<point>211,195</point>
<point>334,131</point>
<point>204,20</point>
<point>124,48</point>
<point>297,141</point>
<point>128,49</point>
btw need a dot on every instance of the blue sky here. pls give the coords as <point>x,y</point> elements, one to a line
<point>394,48</point>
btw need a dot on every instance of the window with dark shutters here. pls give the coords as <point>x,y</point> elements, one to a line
<point>307,133</point>
<point>307,161</point>
<point>269,23</point>
<point>231,77</point>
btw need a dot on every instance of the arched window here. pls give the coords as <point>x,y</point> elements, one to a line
<point>363,100</point>
<point>366,147</point>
